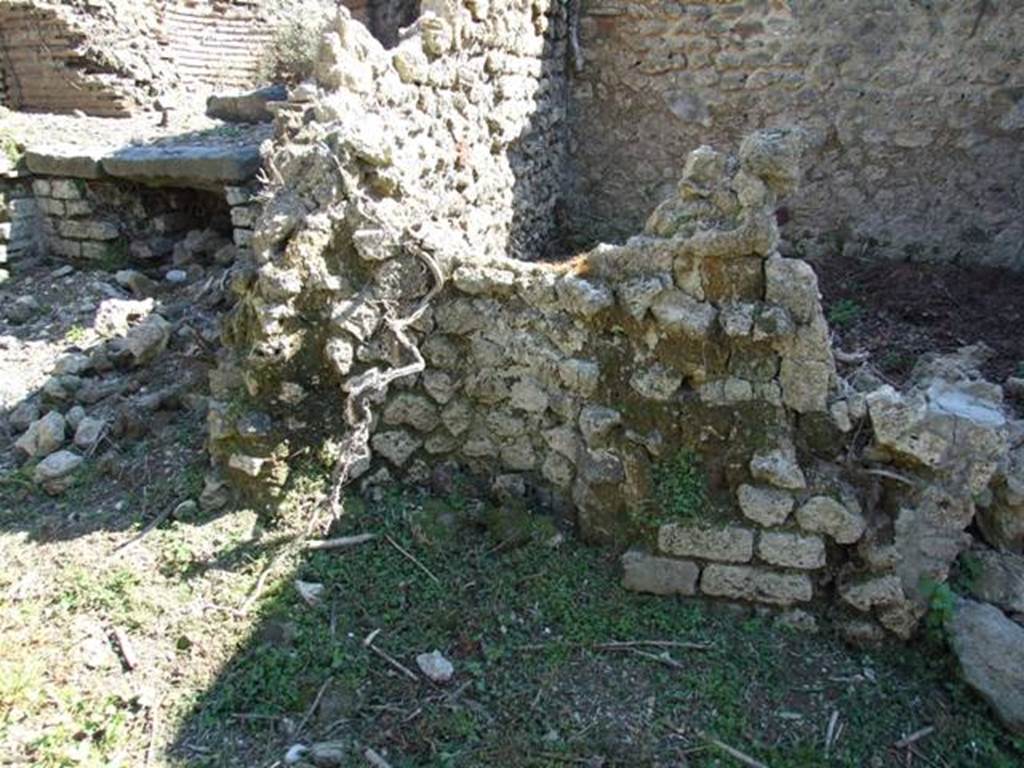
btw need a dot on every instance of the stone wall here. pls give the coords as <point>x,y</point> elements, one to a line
<point>52,60</point>
<point>912,111</point>
<point>118,223</point>
<point>114,57</point>
<point>675,395</point>
<point>19,219</point>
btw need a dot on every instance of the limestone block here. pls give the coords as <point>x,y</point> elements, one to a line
<point>764,505</point>
<point>88,230</point>
<point>741,582</point>
<point>596,422</point>
<point>779,467</point>
<point>656,382</point>
<point>396,446</point>
<point>43,436</point>
<point>792,284</point>
<point>584,297</point>
<point>876,592</point>
<point>676,311</point>
<point>658,575</point>
<point>580,376</point>
<point>730,545</point>
<point>528,395</point>
<point>638,294</point>
<point>791,550</point>
<point>65,189</point>
<point>412,410</point>
<point>823,514</point>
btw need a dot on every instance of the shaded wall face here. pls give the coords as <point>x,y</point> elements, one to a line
<point>913,111</point>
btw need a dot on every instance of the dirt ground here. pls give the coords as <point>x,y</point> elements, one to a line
<point>897,311</point>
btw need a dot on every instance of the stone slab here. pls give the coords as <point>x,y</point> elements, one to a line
<point>73,162</point>
<point>185,165</point>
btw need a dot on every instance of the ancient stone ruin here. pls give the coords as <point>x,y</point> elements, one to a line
<point>410,304</point>
<point>391,290</point>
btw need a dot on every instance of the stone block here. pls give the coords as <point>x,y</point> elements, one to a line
<point>765,506</point>
<point>51,207</point>
<point>68,248</point>
<point>730,545</point>
<point>88,230</point>
<point>823,514</point>
<point>238,195</point>
<point>791,550</point>
<point>243,216</point>
<point>243,237</point>
<point>643,572</point>
<point>741,582</point>
<point>95,250</point>
<point>65,189</point>
<point>882,591</point>
<point>779,467</point>
<point>78,208</point>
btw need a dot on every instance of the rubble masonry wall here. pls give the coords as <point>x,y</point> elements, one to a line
<point>913,114</point>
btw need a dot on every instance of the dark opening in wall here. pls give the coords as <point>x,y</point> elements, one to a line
<point>126,223</point>
<point>387,17</point>
<point>182,225</point>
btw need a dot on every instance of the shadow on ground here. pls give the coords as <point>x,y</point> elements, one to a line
<point>527,622</point>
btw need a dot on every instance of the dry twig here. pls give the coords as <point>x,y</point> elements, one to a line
<point>125,645</point>
<point>916,736</point>
<point>368,643</point>
<point>312,707</point>
<point>411,558</point>
<point>734,753</point>
<point>341,543</point>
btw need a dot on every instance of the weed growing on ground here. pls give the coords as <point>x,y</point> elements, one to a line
<point>524,626</point>
<point>680,491</point>
<point>844,313</point>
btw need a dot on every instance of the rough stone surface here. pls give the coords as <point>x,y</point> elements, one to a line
<point>658,575</point>
<point>765,506</point>
<point>739,582</point>
<point>997,578</point>
<point>823,514</point>
<point>730,545</point>
<point>435,666</point>
<point>53,472</point>
<point>659,79</point>
<point>791,550</point>
<point>779,467</point>
<point>990,648</point>
<point>43,437</point>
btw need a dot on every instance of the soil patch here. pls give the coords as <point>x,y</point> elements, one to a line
<point>898,311</point>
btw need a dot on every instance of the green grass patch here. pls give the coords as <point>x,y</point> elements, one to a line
<point>523,625</point>
<point>844,312</point>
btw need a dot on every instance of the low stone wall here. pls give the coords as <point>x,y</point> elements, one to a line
<point>674,396</point>
<point>912,113</point>
<point>19,219</point>
<point>118,223</point>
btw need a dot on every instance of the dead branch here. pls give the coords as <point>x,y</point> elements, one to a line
<point>374,759</point>
<point>125,645</point>
<point>916,736</point>
<point>656,644</point>
<point>312,707</point>
<point>412,559</point>
<point>734,753</point>
<point>340,543</point>
<point>368,643</point>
